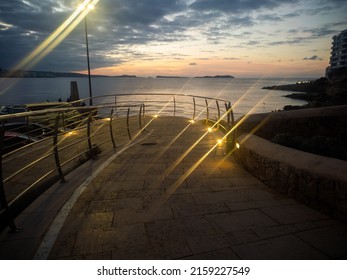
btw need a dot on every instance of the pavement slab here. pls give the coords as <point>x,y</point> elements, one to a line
<point>332,240</point>
<point>287,247</point>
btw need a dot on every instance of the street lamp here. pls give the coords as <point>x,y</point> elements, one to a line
<point>90,7</point>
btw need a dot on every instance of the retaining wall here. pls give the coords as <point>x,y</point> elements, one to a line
<point>317,181</point>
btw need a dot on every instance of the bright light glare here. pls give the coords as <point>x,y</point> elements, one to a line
<point>192,121</point>
<point>237,145</point>
<point>71,133</point>
<point>155,116</point>
<point>219,141</point>
<point>85,6</point>
<point>57,36</point>
<point>209,129</point>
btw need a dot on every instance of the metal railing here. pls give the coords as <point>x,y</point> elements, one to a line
<point>66,140</point>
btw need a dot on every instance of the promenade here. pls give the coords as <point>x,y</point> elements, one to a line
<point>172,193</point>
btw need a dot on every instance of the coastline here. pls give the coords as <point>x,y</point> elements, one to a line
<point>318,93</point>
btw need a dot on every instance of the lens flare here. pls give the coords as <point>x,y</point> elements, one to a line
<point>56,37</point>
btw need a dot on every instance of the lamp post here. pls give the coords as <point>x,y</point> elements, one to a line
<point>89,78</point>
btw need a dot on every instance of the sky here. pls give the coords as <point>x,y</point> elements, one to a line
<point>243,38</point>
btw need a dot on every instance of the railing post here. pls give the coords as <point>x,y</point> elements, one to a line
<point>232,125</point>
<point>90,146</point>
<point>111,129</point>
<point>207,111</point>
<point>27,126</point>
<point>56,150</point>
<point>144,114</point>
<point>231,113</point>
<point>218,111</point>
<point>231,141</point>
<point>3,200</point>
<point>228,115</point>
<point>64,121</point>
<point>174,99</point>
<point>140,117</point>
<point>194,108</point>
<point>115,104</point>
<point>128,126</point>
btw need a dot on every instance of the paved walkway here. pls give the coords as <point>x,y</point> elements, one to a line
<point>171,196</point>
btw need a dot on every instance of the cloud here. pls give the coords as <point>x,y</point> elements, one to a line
<point>237,6</point>
<point>291,15</point>
<point>310,35</point>
<point>314,57</point>
<point>130,30</point>
<point>133,12</point>
<point>244,21</point>
<point>269,17</point>
<point>295,41</point>
<point>111,25</point>
<point>293,31</point>
<point>326,30</point>
<point>253,43</point>
<point>32,15</point>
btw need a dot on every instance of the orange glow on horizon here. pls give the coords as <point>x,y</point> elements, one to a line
<point>238,68</point>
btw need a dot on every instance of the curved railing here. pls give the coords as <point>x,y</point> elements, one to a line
<point>71,136</point>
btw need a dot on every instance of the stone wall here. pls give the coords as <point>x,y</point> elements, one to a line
<point>317,181</point>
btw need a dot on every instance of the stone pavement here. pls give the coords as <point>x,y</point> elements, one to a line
<point>176,195</point>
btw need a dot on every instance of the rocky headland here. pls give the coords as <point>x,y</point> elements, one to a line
<point>326,91</point>
<point>323,135</point>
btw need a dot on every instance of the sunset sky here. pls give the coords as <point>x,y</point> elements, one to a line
<point>244,38</point>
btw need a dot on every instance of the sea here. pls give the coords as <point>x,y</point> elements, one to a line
<point>245,94</point>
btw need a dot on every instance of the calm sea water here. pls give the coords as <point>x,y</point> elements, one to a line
<point>246,94</point>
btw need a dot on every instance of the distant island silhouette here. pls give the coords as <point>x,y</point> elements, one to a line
<point>199,77</point>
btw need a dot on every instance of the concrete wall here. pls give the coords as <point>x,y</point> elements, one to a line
<point>317,181</point>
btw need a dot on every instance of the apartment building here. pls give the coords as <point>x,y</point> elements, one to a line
<point>338,58</point>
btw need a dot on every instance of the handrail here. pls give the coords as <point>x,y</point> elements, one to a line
<point>77,137</point>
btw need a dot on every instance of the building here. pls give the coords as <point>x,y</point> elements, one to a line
<point>337,70</point>
<point>338,58</point>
